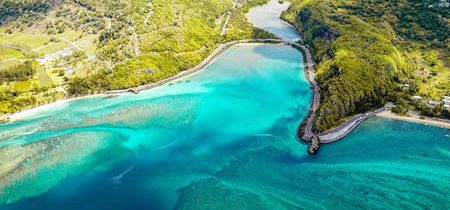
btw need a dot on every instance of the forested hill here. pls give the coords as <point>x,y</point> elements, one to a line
<point>79,47</point>
<point>369,52</point>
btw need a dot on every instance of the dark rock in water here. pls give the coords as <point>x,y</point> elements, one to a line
<point>110,96</point>
<point>314,145</point>
<point>135,91</point>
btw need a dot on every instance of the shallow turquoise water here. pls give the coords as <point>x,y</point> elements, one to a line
<point>222,139</point>
<point>180,132</point>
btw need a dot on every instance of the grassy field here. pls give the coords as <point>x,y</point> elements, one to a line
<point>7,53</point>
<point>34,39</point>
<point>433,72</point>
<point>24,86</point>
<point>43,77</point>
<point>119,44</point>
<point>8,63</point>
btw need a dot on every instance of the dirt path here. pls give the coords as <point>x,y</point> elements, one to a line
<point>227,20</point>
<point>135,40</point>
<point>74,45</point>
<point>148,17</point>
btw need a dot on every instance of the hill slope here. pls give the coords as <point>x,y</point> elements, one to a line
<point>85,46</point>
<point>366,50</point>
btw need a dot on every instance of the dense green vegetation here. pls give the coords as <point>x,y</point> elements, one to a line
<point>183,40</point>
<point>97,45</point>
<point>10,10</point>
<point>366,50</point>
<point>19,72</point>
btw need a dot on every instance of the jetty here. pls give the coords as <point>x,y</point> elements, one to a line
<point>305,131</point>
<point>348,126</point>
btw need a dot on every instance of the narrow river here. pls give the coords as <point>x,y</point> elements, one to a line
<point>220,139</point>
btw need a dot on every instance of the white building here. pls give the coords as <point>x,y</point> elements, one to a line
<point>433,103</point>
<point>417,98</point>
<point>446,102</point>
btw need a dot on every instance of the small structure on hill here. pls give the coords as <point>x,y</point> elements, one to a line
<point>446,102</point>
<point>433,103</point>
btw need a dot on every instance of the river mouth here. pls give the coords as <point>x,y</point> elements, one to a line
<point>267,17</point>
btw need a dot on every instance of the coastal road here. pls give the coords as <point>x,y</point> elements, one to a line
<point>348,126</point>
<point>310,75</point>
<point>195,69</point>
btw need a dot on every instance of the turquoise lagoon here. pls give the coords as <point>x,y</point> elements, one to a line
<point>221,139</point>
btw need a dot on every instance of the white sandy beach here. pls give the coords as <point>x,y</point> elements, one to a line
<point>410,118</point>
<point>181,75</point>
<point>32,111</point>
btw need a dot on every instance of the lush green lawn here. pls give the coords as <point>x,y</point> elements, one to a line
<point>44,79</point>
<point>34,39</point>
<point>6,53</point>
<point>8,64</point>
<point>23,86</point>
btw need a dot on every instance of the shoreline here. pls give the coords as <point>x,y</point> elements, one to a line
<point>196,69</point>
<point>33,110</point>
<point>305,130</point>
<point>338,133</point>
<point>415,118</point>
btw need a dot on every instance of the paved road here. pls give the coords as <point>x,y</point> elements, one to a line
<point>348,126</point>
<point>310,75</point>
<point>334,134</point>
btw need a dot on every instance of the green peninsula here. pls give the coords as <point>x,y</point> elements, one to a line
<point>370,52</point>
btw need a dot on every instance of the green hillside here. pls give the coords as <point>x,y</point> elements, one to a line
<point>368,51</point>
<point>88,46</point>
